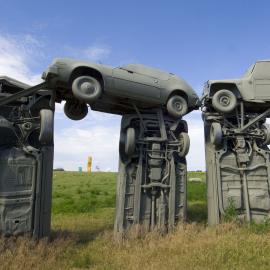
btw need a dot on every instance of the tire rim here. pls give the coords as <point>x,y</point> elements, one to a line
<point>87,88</point>
<point>178,106</point>
<point>224,101</point>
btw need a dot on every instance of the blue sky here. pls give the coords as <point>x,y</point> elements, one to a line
<point>198,40</point>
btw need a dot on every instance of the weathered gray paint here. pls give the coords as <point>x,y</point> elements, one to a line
<point>152,182</point>
<point>252,87</point>
<point>146,87</point>
<point>25,163</point>
<point>238,169</point>
<point>151,188</point>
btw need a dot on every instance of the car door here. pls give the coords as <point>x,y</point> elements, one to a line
<point>262,81</point>
<point>129,84</point>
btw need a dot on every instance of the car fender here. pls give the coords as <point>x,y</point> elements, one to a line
<point>242,88</point>
<point>62,70</point>
<point>177,84</point>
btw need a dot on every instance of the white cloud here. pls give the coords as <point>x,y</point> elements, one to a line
<point>16,55</point>
<point>76,140</point>
<point>100,140</point>
<point>195,157</point>
<point>98,136</point>
<point>96,53</point>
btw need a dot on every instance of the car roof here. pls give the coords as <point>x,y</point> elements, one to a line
<point>149,71</point>
<point>264,60</point>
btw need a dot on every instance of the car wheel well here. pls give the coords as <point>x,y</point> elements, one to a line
<point>180,93</point>
<point>228,86</point>
<point>84,71</point>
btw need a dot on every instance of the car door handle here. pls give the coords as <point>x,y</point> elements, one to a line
<point>129,71</point>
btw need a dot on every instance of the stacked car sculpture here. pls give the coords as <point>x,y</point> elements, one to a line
<point>236,136</point>
<point>154,142</point>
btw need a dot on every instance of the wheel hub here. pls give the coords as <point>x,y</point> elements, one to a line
<point>87,88</point>
<point>178,105</point>
<point>224,101</point>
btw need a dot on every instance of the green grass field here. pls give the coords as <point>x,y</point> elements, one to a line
<point>82,236</point>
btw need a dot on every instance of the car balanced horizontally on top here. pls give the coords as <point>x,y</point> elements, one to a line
<point>118,90</point>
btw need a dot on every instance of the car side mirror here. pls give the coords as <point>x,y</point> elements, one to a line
<point>46,126</point>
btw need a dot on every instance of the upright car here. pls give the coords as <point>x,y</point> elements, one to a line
<point>236,140</point>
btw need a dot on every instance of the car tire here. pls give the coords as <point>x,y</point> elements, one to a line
<point>86,88</point>
<point>266,131</point>
<point>216,134</point>
<point>177,106</point>
<point>224,101</point>
<point>46,126</point>
<point>75,110</point>
<point>184,144</point>
<point>130,141</point>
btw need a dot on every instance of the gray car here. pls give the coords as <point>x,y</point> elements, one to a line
<point>252,88</point>
<point>152,176</point>
<point>118,90</point>
<point>237,140</point>
<point>26,160</point>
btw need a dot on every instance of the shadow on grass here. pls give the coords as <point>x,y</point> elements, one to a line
<point>83,231</point>
<point>83,228</point>
<point>81,236</point>
<point>86,236</point>
<point>197,212</point>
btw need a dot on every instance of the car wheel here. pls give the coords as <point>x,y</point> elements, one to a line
<point>86,89</point>
<point>224,101</point>
<point>46,126</point>
<point>184,144</point>
<point>75,110</point>
<point>177,106</point>
<point>266,131</point>
<point>216,134</point>
<point>130,141</point>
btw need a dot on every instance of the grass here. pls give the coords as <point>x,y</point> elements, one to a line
<point>82,236</point>
<point>78,193</point>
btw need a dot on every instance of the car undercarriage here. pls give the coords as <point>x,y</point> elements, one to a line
<point>237,161</point>
<point>152,172</point>
<point>26,161</point>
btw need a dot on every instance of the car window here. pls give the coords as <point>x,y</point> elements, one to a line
<point>249,71</point>
<point>262,70</point>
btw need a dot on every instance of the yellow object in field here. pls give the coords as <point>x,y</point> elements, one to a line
<point>89,164</point>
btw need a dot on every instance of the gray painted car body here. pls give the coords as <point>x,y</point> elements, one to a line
<point>236,151</point>
<point>143,86</point>
<point>25,162</point>
<point>151,189</point>
<point>253,87</point>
